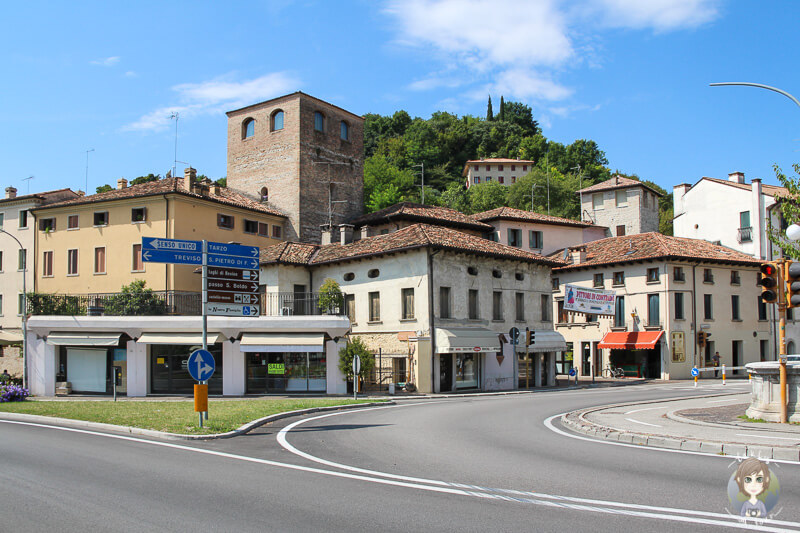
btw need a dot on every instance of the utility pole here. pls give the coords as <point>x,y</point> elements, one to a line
<point>547,165</point>
<point>86,190</point>
<point>422,173</point>
<point>533,188</point>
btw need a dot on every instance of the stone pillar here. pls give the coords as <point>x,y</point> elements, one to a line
<point>234,375</point>
<point>551,369</point>
<point>136,369</point>
<point>537,369</point>
<point>336,383</point>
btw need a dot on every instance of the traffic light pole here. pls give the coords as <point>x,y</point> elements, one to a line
<point>784,273</point>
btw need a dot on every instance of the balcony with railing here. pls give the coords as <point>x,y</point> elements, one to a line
<point>178,303</point>
<point>745,235</point>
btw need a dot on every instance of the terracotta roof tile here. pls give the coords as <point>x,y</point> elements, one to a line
<point>509,213</point>
<point>409,238</point>
<point>46,197</point>
<point>429,214</point>
<point>170,185</point>
<point>770,190</point>
<point>618,182</point>
<point>651,246</point>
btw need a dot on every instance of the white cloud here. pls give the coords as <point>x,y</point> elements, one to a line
<point>660,15</point>
<point>526,83</point>
<point>131,74</point>
<point>216,96</point>
<point>106,62</point>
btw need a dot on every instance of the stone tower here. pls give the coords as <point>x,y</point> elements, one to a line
<point>623,205</point>
<point>303,156</point>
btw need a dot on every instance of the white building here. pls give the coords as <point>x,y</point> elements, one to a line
<point>16,220</point>
<point>623,205</point>
<point>500,170</point>
<point>542,234</point>
<point>436,301</point>
<point>668,290</point>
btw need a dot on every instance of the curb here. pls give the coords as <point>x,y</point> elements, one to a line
<point>83,424</point>
<point>576,421</point>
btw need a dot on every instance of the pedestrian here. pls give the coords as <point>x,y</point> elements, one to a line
<point>715,358</point>
<point>5,377</point>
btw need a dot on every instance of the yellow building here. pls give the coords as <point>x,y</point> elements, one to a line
<point>93,244</point>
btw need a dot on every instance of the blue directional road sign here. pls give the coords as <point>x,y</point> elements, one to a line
<point>201,365</point>
<point>572,371</point>
<point>232,249</point>
<point>155,250</point>
<point>695,372</point>
<point>232,261</point>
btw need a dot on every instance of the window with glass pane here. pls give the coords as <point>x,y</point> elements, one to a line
<point>619,278</point>
<point>708,309</point>
<point>735,279</point>
<point>344,131</point>
<point>47,264</point>
<point>653,311</point>
<point>319,121</point>
<point>249,128</point>
<point>545,308</point>
<point>735,312</point>
<point>515,237</point>
<point>22,259</point>
<point>708,276</point>
<point>597,201</point>
<point>519,299</point>
<point>137,265</point>
<point>23,219</point>
<point>652,275</point>
<point>497,305</point>
<point>472,299</point>
<point>622,198</point>
<point>744,219</point>
<point>72,222</point>
<point>1,305</point>
<point>1,260</point>
<point>619,312</point>
<point>536,239</point>
<point>677,274</point>
<point>762,308</point>
<point>350,306</point>
<point>408,303</point>
<point>2,219</point>
<point>72,262</point>
<point>555,284</point>
<point>100,260</point>
<point>444,302</point>
<point>679,314</point>
<point>374,306</point>
<point>598,281</point>
<point>277,120</point>
<point>20,303</point>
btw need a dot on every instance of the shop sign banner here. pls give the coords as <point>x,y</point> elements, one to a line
<point>275,368</point>
<point>589,301</point>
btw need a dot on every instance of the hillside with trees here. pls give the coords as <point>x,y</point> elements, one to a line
<point>397,147</point>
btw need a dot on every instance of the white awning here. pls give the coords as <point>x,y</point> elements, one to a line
<point>544,340</point>
<point>282,342</point>
<point>74,338</point>
<point>180,338</point>
<point>456,340</point>
<point>7,337</point>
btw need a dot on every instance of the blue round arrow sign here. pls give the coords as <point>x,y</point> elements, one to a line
<point>201,365</point>
<point>695,372</point>
<point>572,371</point>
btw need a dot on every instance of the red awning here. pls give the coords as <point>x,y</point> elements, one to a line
<point>629,340</point>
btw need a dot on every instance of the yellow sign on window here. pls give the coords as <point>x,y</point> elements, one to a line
<point>160,360</point>
<point>678,347</point>
<point>275,368</point>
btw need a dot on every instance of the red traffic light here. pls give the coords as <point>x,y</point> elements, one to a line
<point>768,269</point>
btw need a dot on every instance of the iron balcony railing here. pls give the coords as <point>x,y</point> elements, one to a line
<point>745,235</point>
<point>155,303</point>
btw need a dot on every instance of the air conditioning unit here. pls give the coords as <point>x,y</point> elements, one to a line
<point>287,311</point>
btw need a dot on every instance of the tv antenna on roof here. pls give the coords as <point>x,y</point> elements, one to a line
<point>87,169</point>
<point>28,179</point>
<point>176,116</point>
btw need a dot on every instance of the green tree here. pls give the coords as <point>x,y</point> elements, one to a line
<point>135,300</point>
<point>521,115</point>
<point>502,114</point>
<point>355,346</point>
<point>563,200</point>
<point>489,113</point>
<point>486,196</point>
<point>330,296</point>
<point>385,182</point>
<point>222,182</point>
<point>789,207</point>
<point>54,304</point>
<point>455,197</point>
<point>145,179</point>
<point>104,188</point>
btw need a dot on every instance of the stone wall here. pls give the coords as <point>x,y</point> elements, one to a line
<point>11,360</point>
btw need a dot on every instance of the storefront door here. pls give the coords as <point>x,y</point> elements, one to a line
<point>169,373</point>
<point>468,370</point>
<point>445,372</point>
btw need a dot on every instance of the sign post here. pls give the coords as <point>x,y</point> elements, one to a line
<point>201,366</point>
<point>356,372</point>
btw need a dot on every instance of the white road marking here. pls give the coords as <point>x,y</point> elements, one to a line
<point>796,439</point>
<point>728,400</point>
<point>643,423</point>
<point>645,409</point>
<point>629,509</point>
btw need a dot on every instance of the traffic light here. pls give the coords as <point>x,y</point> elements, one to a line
<point>793,284</point>
<point>701,339</point>
<point>530,336</point>
<point>770,277</point>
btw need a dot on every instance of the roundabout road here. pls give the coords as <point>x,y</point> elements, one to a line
<point>467,464</point>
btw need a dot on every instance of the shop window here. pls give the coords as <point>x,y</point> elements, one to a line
<point>101,218</point>
<point>225,221</point>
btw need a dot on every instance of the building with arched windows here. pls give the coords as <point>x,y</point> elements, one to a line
<point>301,155</point>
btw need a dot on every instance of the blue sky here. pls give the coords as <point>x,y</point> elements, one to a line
<point>630,74</point>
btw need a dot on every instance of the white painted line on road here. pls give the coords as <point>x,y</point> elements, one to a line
<point>796,439</point>
<point>728,400</point>
<point>643,423</point>
<point>645,409</point>
<point>619,507</point>
<point>549,425</point>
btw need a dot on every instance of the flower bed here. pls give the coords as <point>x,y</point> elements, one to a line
<point>13,393</point>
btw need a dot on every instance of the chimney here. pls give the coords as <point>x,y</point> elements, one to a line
<point>678,192</point>
<point>11,192</point>
<point>578,255</point>
<point>616,179</point>
<point>189,177</point>
<point>80,193</point>
<point>736,177</point>
<point>325,237</point>
<point>345,234</point>
<point>215,189</point>
<point>122,183</point>
<point>364,232</point>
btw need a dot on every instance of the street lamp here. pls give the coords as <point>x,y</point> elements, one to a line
<point>24,314</point>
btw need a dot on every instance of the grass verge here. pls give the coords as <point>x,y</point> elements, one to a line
<point>172,417</point>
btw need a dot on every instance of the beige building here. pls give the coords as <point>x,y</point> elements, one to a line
<point>542,234</point>
<point>93,244</point>
<point>623,205</point>
<point>402,286</point>
<point>668,289</point>
<point>500,170</point>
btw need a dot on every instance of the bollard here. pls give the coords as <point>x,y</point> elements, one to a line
<point>723,374</point>
<point>749,377</point>
<point>695,382</point>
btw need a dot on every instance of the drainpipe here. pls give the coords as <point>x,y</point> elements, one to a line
<point>431,317</point>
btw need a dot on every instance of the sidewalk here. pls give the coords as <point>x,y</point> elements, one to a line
<point>709,424</point>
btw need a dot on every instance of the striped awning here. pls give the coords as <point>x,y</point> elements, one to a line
<point>630,340</point>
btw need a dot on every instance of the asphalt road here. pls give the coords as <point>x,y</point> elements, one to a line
<point>466,464</point>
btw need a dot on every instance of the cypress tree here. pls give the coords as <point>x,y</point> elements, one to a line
<point>502,114</point>
<point>489,114</point>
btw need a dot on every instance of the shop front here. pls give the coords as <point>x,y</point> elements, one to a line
<point>638,353</point>
<point>284,363</point>
<point>169,356</point>
<point>537,365</point>
<point>461,357</point>
<point>85,361</point>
